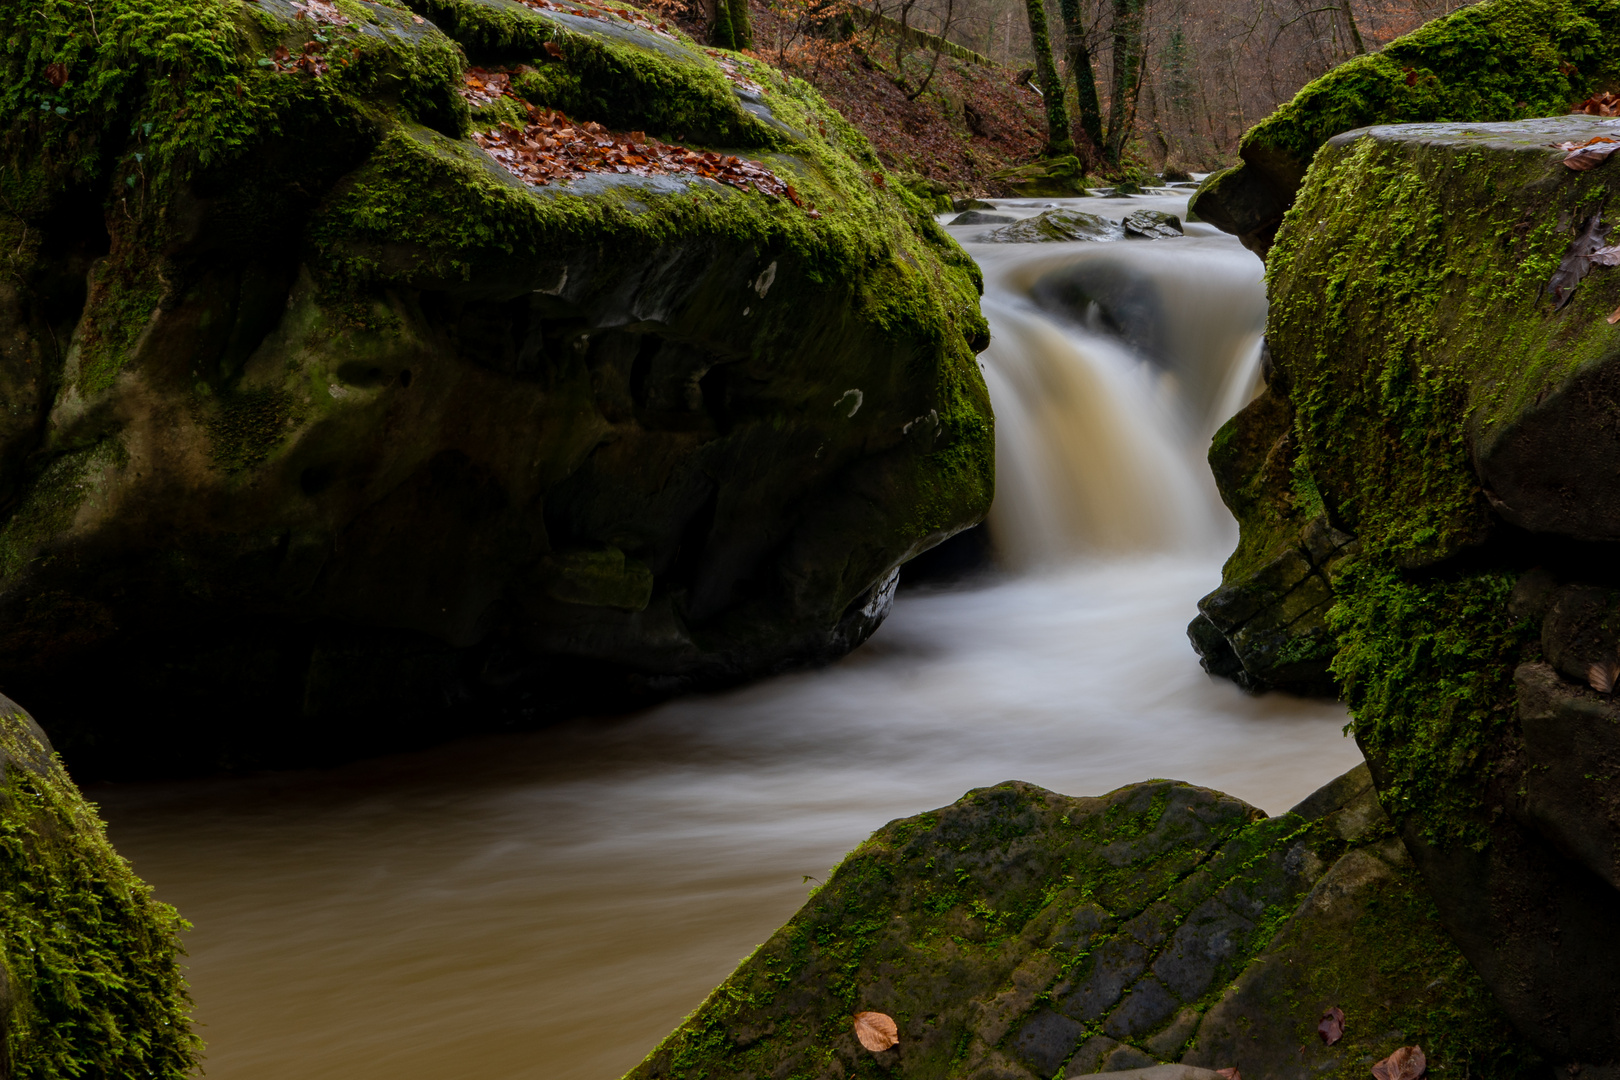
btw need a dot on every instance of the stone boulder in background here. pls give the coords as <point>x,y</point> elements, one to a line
<point>326,432</point>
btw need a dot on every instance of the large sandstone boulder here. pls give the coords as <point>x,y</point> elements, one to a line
<point>1497,60</point>
<point>319,418</point>
<point>1442,389</point>
<point>1022,935</point>
<point>90,980</point>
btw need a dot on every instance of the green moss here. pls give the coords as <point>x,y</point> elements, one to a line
<point>123,297</point>
<point>90,957</point>
<point>1407,332</point>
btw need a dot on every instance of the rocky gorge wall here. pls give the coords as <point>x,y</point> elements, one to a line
<point>1442,398</point>
<point>316,412</point>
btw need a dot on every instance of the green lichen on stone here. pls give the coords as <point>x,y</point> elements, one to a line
<point>93,985</point>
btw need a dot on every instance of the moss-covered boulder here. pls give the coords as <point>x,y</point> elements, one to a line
<point>1021,935</point>
<point>1497,60</point>
<point>90,981</point>
<point>317,416</point>
<point>1439,385</point>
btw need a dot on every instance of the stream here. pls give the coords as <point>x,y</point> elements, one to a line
<point>549,904</point>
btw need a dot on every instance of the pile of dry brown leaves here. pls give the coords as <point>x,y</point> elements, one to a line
<point>552,147</point>
<point>1604,104</point>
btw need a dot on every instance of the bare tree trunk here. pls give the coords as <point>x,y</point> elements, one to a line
<point>1088,129</point>
<point>1127,75</point>
<point>1355,31</point>
<point>1058,139</point>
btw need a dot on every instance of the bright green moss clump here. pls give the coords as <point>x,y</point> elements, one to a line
<point>92,979</point>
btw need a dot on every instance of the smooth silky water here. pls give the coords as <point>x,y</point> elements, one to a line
<point>547,905</point>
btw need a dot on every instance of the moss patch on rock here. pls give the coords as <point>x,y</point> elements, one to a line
<point>1024,934</point>
<point>91,976</point>
<point>363,376</point>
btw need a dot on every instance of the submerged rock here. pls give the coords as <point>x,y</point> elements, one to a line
<point>982,217</point>
<point>320,418</point>
<point>90,981</point>
<point>1491,61</point>
<point>1023,935</point>
<point>1059,225</point>
<point>1151,224</point>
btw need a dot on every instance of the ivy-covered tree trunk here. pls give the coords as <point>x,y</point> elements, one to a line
<point>1088,135</point>
<point>1058,140</point>
<point>1127,76</point>
<point>733,29</point>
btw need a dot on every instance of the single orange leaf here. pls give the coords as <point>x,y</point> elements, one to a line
<point>876,1031</point>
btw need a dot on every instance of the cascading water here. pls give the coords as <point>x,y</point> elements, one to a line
<point>547,905</point>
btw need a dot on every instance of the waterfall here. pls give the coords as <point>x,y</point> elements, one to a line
<point>1111,366</point>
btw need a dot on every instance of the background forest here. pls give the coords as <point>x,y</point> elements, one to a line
<point>1164,85</point>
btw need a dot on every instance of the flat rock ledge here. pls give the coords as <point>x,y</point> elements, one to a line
<point>1160,931</point>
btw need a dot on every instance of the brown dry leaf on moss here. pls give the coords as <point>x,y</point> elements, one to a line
<point>1581,156</point>
<point>1407,1063</point>
<point>876,1031</point>
<point>553,147</point>
<point>1331,1026</point>
<point>480,87</point>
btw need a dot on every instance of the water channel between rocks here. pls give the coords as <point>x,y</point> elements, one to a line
<point>549,904</point>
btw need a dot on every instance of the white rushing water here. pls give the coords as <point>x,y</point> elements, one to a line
<point>547,905</point>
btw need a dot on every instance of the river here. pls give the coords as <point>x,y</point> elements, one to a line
<point>549,904</point>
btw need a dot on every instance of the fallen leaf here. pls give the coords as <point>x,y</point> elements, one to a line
<point>1331,1026</point>
<point>553,51</point>
<point>1589,154</point>
<point>1577,260</point>
<point>1602,676</point>
<point>1614,316</point>
<point>56,74</point>
<point>876,1031</point>
<point>418,20</point>
<point>1230,1074</point>
<point>1407,1063</point>
<point>1604,104</point>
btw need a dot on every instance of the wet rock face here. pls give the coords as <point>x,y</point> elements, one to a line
<point>1266,626</point>
<point>1428,398</point>
<point>1433,73</point>
<point>345,425</point>
<point>1025,935</point>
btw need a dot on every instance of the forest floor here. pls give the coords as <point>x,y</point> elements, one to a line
<point>953,130</point>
